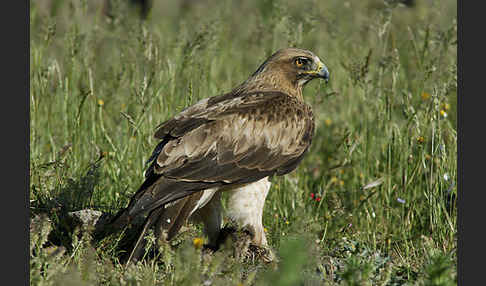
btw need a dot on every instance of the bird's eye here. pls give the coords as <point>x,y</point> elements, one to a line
<point>300,62</point>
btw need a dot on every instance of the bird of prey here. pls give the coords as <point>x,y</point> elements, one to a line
<point>228,143</point>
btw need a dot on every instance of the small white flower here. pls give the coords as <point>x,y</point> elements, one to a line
<point>402,201</point>
<point>446,177</point>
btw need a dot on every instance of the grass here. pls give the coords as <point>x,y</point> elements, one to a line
<point>382,162</point>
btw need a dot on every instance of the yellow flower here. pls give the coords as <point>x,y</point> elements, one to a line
<point>265,229</point>
<point>425,95</point>
<point>420,139</point>
<point>198,242</point>
<point>334,180</point>
<point>328,122</point>
<point>446,106</point>
<point>341,183</point>
<point>443,113</point>
<point>101,102</point>
<point>286,222</point>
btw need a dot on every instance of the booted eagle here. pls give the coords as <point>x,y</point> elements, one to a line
<point>232,143</point>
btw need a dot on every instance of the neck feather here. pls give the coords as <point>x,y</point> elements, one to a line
<point>270,82</point>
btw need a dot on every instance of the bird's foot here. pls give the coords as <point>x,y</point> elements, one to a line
<point>240,241</point>
<point>262,252</point>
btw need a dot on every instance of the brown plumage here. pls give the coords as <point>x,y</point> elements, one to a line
<point>229,142</point>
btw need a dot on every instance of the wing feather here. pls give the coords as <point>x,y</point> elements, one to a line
<point>226,140</point>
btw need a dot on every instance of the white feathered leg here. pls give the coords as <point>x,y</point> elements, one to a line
<point>245,207</point>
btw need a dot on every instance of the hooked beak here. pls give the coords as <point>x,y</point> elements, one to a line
<point>320,72</point>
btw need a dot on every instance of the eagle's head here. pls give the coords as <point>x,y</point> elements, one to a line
<point>287,70</point>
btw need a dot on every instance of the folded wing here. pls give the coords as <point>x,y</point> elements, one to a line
<point>225,141</point>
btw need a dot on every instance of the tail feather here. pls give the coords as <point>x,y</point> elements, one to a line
<point>163,192</point>
<point>139,245</point>
<point>115,224</point>
<point>153,196</point>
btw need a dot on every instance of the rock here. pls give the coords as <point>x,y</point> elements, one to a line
<point>86,218</point>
